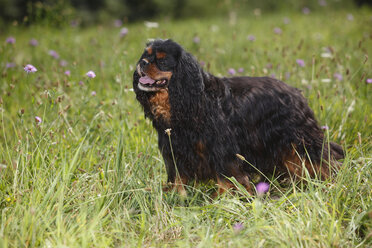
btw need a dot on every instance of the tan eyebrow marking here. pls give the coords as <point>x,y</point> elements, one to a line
<point>149,50</point>
<point>160,55</point>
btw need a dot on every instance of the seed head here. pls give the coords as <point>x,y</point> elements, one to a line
<point>240,156</point>
<point>168,131</point>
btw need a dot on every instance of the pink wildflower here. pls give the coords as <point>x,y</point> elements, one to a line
<point>10,40</point>
<point>251,37</point>
<point>91,74</point>
<point>123,32</point>
<point>196,40</point>
<point>262,188</point>
<point>33,42</point>
<point>30,68</point>
<point>278,30</point>
<point>38,120</point>
<point>54,54</point>
<point>300,62</point>
<point>231,71</point>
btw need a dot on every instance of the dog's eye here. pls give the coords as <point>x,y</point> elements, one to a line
<point>161,62</point>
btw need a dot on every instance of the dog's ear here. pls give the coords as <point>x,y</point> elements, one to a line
<point>186,88</point>
<point>189,74</point>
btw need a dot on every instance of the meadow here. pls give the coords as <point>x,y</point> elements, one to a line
<point>77,155</point>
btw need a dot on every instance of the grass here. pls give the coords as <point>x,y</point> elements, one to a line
<point>78,178</point>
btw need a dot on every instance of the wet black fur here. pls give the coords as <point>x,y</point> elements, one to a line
<point>260,118</point>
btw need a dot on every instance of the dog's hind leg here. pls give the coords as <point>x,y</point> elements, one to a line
<point>224,184</point>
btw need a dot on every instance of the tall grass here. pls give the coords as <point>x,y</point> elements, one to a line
<point>81,176</point>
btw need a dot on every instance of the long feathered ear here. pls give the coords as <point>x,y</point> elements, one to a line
<point>186,88</point>
<point>189,74</point>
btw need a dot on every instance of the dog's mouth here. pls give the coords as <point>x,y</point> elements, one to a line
<point>148,84</point>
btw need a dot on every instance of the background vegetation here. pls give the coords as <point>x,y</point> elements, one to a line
<point>87,12</point>
<point>77,157</point>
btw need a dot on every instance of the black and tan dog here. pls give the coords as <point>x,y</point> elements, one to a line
<point>212,119</point>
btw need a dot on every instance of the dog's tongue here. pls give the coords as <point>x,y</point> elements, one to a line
<point>146,80</point>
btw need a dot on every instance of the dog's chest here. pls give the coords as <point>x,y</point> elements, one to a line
<point>159,106</point>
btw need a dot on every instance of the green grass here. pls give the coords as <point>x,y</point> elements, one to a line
<point>79,178</point>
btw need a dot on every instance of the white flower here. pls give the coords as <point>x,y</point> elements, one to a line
<point>151,24</point>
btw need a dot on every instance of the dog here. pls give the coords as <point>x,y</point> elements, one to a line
<point>208,125</point>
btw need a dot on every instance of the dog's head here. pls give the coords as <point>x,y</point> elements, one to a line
<point>157,65</point>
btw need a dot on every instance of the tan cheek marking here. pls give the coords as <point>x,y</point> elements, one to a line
<point>153,72</point>
<point>160,106</point>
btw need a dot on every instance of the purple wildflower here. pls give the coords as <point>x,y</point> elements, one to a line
<point>338,76</point>
<point>30,68</point>
<point>306,10</point>
<point>286,20</point>
<point>238,227</point>
<point>67,73</point>
<point>241,70</point>
<point>196,40</point>
<point>63,63</point>
<point>202,63</point>
<point>369,81</point>
<point>278,30</point>
<point>322,3</point>
<point>231,71</point>
<point>74,23</point>
<point>251,37</point>
<point>123,32</point>
<point>10,65</point>
<point>350,17</point>
<point>54,54</point>
<point>93,93</point>
<point>287,75</point>
<point>91,74</point>
<point>118,23</point>
<point>81,83</point>
<point>10,40</point>
<point>33,42</point>
<point>325,127</point>
<point>38,120</point>
<point>300,62</point>
<point>262,188</point>
<point>273,75</point>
